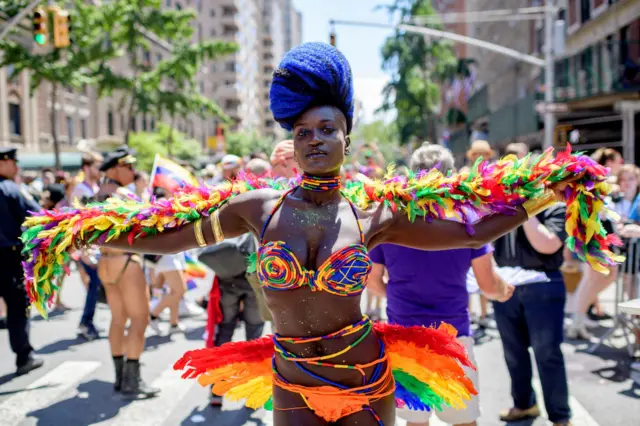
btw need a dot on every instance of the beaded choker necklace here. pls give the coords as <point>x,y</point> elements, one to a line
<point>319,184</point>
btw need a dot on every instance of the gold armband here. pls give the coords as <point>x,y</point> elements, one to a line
<point>197,230</point>
<point>537,205</point>
<point>216,228</point>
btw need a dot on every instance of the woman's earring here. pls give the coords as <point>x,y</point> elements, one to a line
<point>347,150</point>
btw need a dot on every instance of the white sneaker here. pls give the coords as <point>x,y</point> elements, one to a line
<point>178,328</point>
<point>589,323</point>
<point>578,333</point>
<point>484,322</point>
<point>187,310</point>
<point>154,324</point>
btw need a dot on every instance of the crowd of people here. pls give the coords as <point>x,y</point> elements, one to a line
<point>418,287</point>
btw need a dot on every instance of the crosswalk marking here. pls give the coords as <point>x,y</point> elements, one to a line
<point>580,415</point>
<point>44,391</point>
<point>154,411</point>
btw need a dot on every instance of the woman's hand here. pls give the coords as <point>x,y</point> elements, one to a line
<point>560,187</point>
<point>630,231</point>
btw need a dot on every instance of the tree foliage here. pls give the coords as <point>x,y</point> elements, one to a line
<point>246,143</point>
<point>75,66</point>
<point>380,134</point>
<point>148,144</point>
<point>170,85</point>
<point>417,66</point>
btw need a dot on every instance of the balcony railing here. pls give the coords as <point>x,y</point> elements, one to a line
<point>604,68</point>
<point>478,105</point>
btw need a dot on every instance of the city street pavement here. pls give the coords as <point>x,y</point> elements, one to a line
<point>75,387</point>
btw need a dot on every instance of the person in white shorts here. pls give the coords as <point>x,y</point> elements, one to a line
<point>170,272</point>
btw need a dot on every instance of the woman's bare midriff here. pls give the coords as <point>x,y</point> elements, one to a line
<point>305,313</point>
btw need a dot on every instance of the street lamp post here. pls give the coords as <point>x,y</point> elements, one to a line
<point>549,80</point>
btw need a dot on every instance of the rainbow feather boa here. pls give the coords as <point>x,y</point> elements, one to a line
<point>51,236</point>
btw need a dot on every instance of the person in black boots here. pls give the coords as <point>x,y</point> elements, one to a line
<point>15,206</point>
<point>125,286</point>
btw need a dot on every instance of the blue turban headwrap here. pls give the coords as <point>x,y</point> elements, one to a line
<point>312,74</point>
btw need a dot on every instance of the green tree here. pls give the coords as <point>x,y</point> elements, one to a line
<point>75,66</point>
<point>169,86</point>
<point>148,144</point>
<point>383,135</point>
<point>245,143</point>
<point>417,66</point>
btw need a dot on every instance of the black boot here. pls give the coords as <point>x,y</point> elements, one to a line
<point>132,384</point>
<point>118,364</point>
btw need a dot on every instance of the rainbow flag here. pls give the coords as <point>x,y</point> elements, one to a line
<point>169,175</point>
<point>195,269</point>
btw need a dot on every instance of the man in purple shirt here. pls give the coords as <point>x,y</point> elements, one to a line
<point>430,287</point>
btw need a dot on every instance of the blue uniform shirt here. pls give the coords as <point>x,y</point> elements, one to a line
<point>15,206</point>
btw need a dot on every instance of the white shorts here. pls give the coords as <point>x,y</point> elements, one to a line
<point>450,415</point>
<point>171,262</point>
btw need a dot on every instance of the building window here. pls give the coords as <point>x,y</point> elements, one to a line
<point>212,33</point>
<point>132,127</point>
<point>158,58</point>
<point>202,87</point>
<point>168,3</point>
<point>585,10</point>
<point>110,123</point>
<point>229,30</point>
<point>200,33</point>
<point>15,120</point>
<point>83,128</point>
<point>178,6</point>
<point>10,70</point>
<point>212,12</point>
<point>230,66</point>
<point>144,123</point>
<point>70,130</point>
<point>146,58</point>
<point>153,124</point>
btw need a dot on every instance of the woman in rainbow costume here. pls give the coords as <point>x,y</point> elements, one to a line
<point>327,363</point>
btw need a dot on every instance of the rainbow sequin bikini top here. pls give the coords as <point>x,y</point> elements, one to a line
<point>344,273</point>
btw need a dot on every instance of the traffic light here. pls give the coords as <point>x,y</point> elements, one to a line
<point>332,39</point>
<point>40,31</point>
<point>61,27</point>
<point>220,140</point>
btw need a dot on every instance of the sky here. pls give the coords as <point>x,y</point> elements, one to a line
<point>360,45</point>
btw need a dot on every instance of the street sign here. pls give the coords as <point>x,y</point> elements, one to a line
<point>543,107</point>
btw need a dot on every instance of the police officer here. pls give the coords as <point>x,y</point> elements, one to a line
<point>15,206</point>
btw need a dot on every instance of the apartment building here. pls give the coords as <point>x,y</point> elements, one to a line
<point>501,108</point>
<point>598,78</point>
<point>236,82</point>
<point>281,31</point>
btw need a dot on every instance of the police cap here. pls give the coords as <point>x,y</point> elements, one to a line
<point>118,157</point>
<point>8,153</point>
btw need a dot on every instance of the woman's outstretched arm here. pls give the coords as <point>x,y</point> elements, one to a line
<point>446,234</point>
<point>232,219</point>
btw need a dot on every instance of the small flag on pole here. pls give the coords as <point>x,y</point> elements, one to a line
<point>170,175</point>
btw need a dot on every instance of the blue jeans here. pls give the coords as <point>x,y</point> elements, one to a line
<point>534,317</point>
<point>92,294</point>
